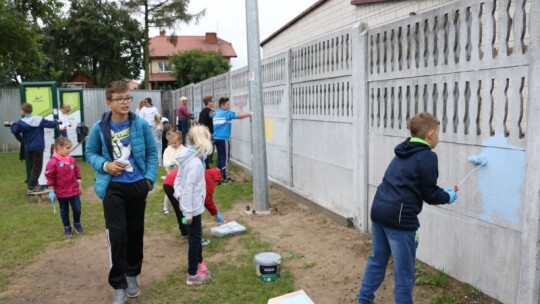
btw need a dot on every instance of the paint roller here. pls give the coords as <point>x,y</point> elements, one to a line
<point>478,161</point>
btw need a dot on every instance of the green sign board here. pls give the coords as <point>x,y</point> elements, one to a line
<point>42,96</point>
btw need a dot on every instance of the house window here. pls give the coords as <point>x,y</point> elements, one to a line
<point>165,66</point>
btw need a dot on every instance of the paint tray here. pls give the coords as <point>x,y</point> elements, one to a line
<point>297,297</point>
<point>231,228</point>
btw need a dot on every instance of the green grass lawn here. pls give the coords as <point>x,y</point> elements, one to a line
<point>27,229</point>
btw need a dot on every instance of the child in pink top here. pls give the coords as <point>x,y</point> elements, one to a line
<point>64,181</point>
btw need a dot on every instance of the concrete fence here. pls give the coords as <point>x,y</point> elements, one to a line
<point>335,107</point>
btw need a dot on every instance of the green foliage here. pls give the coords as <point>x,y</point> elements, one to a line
<point>430,278</point>
<point>20,55</point>
<point>98,38</point>
<point>160,14</point>
<point>197,65</point>
<point>445,299</point>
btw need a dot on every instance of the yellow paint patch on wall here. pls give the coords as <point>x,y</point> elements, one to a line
<point>268,128</point>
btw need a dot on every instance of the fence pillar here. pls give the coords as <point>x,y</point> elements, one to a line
<point>288,84</point>
<point>360,124</point>
<point>529,283</point>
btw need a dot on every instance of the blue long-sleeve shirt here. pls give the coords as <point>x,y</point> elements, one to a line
<point>222,124</point>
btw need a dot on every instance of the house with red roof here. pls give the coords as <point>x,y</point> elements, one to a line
<point>163,46</point>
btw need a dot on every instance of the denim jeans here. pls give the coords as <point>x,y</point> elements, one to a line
<point>75,202</point>
<point>402,246</point>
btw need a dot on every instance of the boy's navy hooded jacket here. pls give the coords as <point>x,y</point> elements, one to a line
<point>31,128</point>
<point>410,179</point>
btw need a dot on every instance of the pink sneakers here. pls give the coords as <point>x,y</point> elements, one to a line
<point>199,278</point>
<point>202,268</point>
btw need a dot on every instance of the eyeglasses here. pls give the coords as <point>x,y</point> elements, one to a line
<point>123,99</point>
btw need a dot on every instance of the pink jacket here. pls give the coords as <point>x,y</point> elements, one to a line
<point>63,177</point>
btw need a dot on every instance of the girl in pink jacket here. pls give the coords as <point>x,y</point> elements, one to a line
<point>64,182</point>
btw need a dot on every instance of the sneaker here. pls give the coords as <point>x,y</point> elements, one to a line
<point>228,180</point>
<point>165,212</point>
<point>34,189</point>
<point>67,231</point>
<point>199,278</point>
<point>133,289</point>
<point>78,227</point>
<point>119,296</point>
<point>202,268</point>
<point>205,242</point>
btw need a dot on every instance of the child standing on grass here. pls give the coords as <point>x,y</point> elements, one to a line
<point>157,129</point>
<point>64,181</point>
<point>212,177</point>
<point>122,150</point>
<point>174,148</point>
<point>190,190</point>
<point>410,179</point>
<point>33,135</point>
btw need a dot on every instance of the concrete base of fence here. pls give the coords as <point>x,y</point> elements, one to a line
<point>294,195</point>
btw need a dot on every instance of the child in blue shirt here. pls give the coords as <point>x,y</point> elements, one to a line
<point>409,180</point>
<point>222,134</point>
<point>122,150</point>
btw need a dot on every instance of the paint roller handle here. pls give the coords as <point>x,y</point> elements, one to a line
<point>452,195</point>
<point>456,188</point>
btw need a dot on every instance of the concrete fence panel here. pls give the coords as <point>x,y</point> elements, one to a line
<point>468,64</point>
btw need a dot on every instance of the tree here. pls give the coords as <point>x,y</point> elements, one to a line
<point>197,65</point>
<point>98,38</point>
<point>160,14</point>
<point>20,53</point>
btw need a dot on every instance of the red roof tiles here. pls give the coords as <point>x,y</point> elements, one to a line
<point>161,47</point>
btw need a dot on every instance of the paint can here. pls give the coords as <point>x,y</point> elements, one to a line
<point>267,266</point>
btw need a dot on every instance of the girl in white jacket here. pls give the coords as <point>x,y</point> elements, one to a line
<point>190,189</point>
<point>174,149</point>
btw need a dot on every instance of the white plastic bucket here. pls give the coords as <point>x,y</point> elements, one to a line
<point>267,266</point>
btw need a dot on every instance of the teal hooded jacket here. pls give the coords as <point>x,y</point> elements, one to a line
<point>99,150</point>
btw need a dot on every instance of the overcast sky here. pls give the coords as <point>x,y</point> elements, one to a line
<point>228,19</point>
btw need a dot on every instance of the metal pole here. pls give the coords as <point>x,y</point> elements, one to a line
<point>258,143</point>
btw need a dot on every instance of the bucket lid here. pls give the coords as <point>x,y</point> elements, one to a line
<point>267,259</point>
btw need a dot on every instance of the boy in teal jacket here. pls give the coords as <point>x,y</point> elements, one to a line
<point>122,150</point>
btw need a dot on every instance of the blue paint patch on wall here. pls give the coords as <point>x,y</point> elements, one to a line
<point>500,182</point>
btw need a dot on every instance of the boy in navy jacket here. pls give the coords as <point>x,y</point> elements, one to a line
<point>409,180</point>
<point>33,135</point>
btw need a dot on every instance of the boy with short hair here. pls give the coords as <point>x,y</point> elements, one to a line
<point>410,179</point>
<point>33,135</point>
<point>205,119</point>
<point>122,150</point>
<point>222,134</point>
